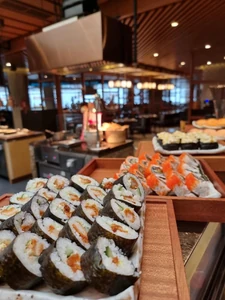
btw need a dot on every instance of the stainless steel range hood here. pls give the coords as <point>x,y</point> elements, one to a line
<point>89,42</point>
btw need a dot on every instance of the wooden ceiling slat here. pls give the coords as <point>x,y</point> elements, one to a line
<point>20,25</point>
<point>7,34</point>
<point>14,30</point>
<point>40,4</point>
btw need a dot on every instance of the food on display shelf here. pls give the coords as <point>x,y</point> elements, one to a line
<point>47,194</point>
<point>212,122</point>
<point>113,127</point>
<point>89,210</point>
<point>57,183</point>
<point>21,222</point>
<point>71,195</point>
<point>21,198</point>
<point>34,185</point>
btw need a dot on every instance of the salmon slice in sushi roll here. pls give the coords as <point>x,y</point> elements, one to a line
<point>22,256</point>
<point>21,198</point>
<point>59,210</point>
<point>107,268</point>
<point>71,195</point>
<point>48,195</point>
<point>81,182</point>
<point>76,229</point>
<point>19,223</point>
<point>8,211</point>
<point>36,206</point>
<point>57,183</point>
<point>47,228</point>
<point>121,212</point>
<point>93,192</point>
<point>61,269</point>
<point>34,185</point>
<point>123,236</point>
<point>89,210</point>
<point>107,184</point>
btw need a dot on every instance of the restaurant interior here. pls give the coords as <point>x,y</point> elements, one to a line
<point>109,89</point>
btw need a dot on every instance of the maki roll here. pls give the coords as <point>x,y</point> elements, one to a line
<point>208,142</point>
<point>120,193</point>
<point>123,236</point>
<point>80,182</point>
<point>171,143</point>
<point>19,261</point>
<point>93,192</point>
<point>89,210</point>
<point>106,267</point>
<point>36,206</point>
<point>8,211</point>
<point>107,184</point>
<point>47,228</point>
<point>19,223</point>
<point>176,183</point>
<point>131,160</point>
<point>158,185</point>
<point>61,269</point>
<point>36,184</point>
<point>48,195</point>
<point>162,135</point>
<point>6,237</point>
<point>59,210</point>
<point>21,198</point>
<point>76,229</point>
<point>189,160</point>
<point>121,212</point>
<point>71,195</point>
<point>189,142</point>
<point>57,183</point>
<point>133,184</point>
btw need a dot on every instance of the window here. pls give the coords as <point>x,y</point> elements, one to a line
<point>180,94</point>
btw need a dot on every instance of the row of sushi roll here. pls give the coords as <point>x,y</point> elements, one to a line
<point>169,176</point>
<point>71,234</point>
<point>186,141</point>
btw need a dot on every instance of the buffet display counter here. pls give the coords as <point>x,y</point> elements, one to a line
<point>15,162</point>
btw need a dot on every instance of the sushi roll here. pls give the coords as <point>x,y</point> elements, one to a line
<point>120,193</point>
<point>19,223</point>
<point>162,135</point>
<point>202,188</point>
<point>189,160</point>
<point>76,229</point>
<point>34,185</point>
<point>93,192</point>
<point>19,261</point>
<point>36,206</point>
<point>57,183</point>
<point>208,142</point>
<point>8,211</point>
<point>21,198</point>
<point>47,228</point>
<point>89,210</point>
<point>6,237</point>
<point>121,212</point>
<point>106,267</point>
<point>184,169</point>
<point>48,195</point>
<point>132,183</point>
<point>61,269</point>
<point>107,184</point>
<point>176,183</point>
<point>123,236</point>
<point>131,160</point>
<point>71,195</point>
<point>171,143</point>
<point>59,210</point>
<point>80,182</point>
<point>158,185</point>
<point>189,142</point>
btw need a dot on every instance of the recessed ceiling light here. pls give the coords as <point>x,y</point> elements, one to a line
<point>90,69</point>
<point>224,57</point>
<point>182,63</point>
<point>209,62</point>
<point>156,54</point>
<point>207,46</point>
<point>174,24</point>
<point>8,64</point>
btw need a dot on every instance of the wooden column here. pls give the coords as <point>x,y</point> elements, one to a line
<point>83,86</point>
<point>59,101</point>
<point>191,87</point>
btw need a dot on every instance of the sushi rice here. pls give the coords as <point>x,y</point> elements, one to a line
<point>36,206</point>
<point>57,183</point>
<point>6,237</point>
<point>9,211</point>
<point>50,227</point>
<point>71,195</point>
<point>21,198</point>
<point>107,184</point>
<point>80,182</point>
<point>36,184</point>
<point>48,195</point>
<point>23,221</point>
<point>89,210</point>
<point>60,210</point>
<point>80,228</point>
<point>94,192</point>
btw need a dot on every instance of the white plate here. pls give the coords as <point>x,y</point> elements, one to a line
<point>158,148</point>
<point>206,127</point>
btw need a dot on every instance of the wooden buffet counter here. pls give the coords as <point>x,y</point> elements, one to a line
<point>15,154</point>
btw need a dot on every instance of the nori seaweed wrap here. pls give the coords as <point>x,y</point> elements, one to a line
<point>88,210</point>
<point>19,223</point>
<point>61,269</point>
<point>107,268</point>
<point>76,229</point>
<point>93,192</point>
<point>123,236</point>
<point>36,206</point>
<point>6,237</point>
<point>80,182</point>
<point>19,261</point>
<point>47,228</point>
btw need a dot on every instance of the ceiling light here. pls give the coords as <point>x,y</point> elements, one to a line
<point>174,24</point>
<point>8,64</point>
<point>209,62</point>
<point>224,57</point>
<point>207,46</point>
<point>111,84</point>
<point>90,69</point>
<point>45,76</point>
<point>183,63</point>
<point>139,85</point>
<point>156,54</point>
<point>129,84</point>
<point>123,84</point>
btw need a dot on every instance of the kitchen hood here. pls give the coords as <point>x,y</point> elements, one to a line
<point>79,45</point>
